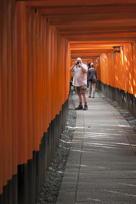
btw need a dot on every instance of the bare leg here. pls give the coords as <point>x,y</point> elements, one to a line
<point>93,89</point>
<point>80,98</point>
<point>84,98</point>
<point>85,102</point>
<point>79,95</point>
<point>90,88</point>
<point>80,106</point>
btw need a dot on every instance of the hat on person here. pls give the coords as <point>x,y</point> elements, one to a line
<point>79,59</point>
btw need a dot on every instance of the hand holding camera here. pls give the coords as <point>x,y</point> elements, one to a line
<point>78,63</point>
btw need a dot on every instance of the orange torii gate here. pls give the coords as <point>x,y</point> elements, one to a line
<point>38,41</point>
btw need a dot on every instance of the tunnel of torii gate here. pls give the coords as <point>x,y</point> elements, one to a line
<point>39,40</point>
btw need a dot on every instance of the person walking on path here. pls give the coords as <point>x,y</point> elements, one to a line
<point>92,79</point>
<point>79,70</point>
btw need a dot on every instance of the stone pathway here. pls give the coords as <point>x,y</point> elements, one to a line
<point>101,166</point>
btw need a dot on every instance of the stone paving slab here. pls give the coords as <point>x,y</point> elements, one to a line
<point>101,167</point>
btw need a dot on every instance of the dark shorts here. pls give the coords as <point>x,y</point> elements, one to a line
<point>92,80</point>
<point>81,89</point>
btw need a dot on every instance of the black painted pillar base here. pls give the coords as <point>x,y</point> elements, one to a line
<point>124,99</point>
<point>9,195</point>
<point>24,187</point>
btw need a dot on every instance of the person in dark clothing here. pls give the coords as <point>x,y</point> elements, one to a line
<point>92,79</point>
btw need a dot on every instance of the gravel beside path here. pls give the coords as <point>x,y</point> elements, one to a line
<point>55,172</point>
